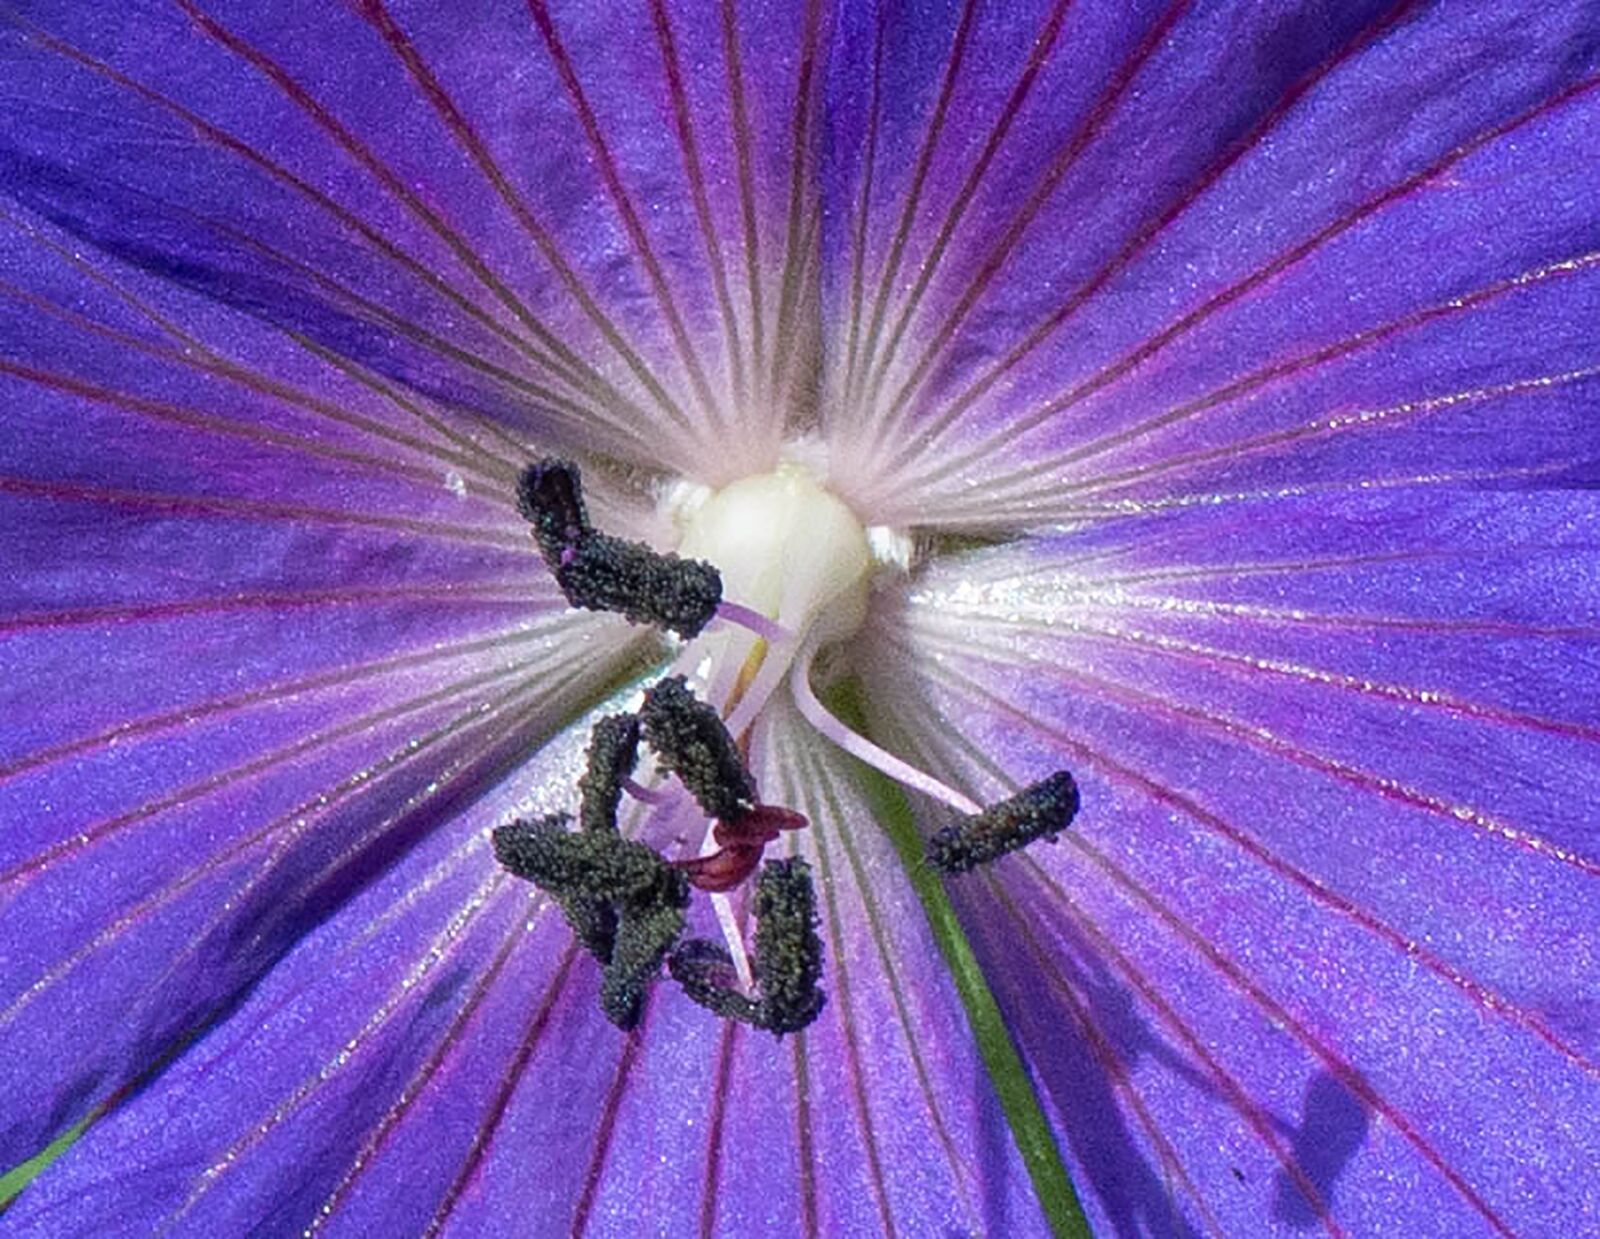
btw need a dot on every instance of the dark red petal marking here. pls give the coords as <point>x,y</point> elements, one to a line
<point>1486,998</point>
<point>1344,1071</point>
<point>371,235</point>
<point>605,1132</point>
<point>1260,1122</point>
<point>624,206</point>
<point>226,506</point>
<point>683,120</point>
<point>743,153</point>
<point>1104,106</point>
<point>242,773</point>
<point>1107,376</point>
<point>196,356</point>
<point>919,175</point>
<point>1043,44</point>
<point>214,706</point>
<point>794,240</point>
<point>858,249</point>
<point>714,1135</point>
<point>418,1084</point>
<point>1302,364</point>
<point>218,424</point>
<point>490,1123</point>
<point>475,147</point>
<point>364,156</point>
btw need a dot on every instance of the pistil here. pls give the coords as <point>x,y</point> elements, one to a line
<point>796,563</point>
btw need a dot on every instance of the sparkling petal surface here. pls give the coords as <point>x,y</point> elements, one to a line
<point>1328,911</point>
<point>1261,333</point>
<point>264,632</point>
<point>404,1066</point>
<point>363,175</point>
<point>1166,249</point>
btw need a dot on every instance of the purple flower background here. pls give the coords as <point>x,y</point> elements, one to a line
<point>1238,360</point>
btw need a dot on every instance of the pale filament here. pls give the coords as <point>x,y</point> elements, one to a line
<point>859,747</point>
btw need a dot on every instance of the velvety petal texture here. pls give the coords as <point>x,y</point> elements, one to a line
<point>1327,917</point>
<point>1221,383</point>
<point>1147,250</point>
<point>476,1053</point>
<point>568,227</point>
<point>267,625</point>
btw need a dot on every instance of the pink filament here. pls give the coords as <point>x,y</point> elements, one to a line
<point>647,794</point>
<point>756,622</point>
<point>860,747</point>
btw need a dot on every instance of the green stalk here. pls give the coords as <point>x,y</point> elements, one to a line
<point>1019,1100</point>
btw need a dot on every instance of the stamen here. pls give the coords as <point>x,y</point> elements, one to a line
<point>860,747</point>
<point>644,937</point>
<point>603,573</point>
<point>625,903</point>
<point>1040,810</point>
<point>788,957</point>
<point>691,742</point>
<point>646,795</point>
<point>741,842</point>
<point>768,677</point>
<point>728,922</point>
<point>590,865</point>
<point>746,617</point>
<point>550,498</point>
<point>613,753</point>
<point>794,552</point>
<point>598,572</point>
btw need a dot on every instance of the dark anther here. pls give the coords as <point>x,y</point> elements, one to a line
<point>788,957</point>
<point>1041,809</point>
<point>787,962</point>
<point>594,865</point>
<point>623,901</point>
<point>644,936</point>
<point>691,742</point>
<point>600,573</point>
<point>550,496</point>
<point>706,972</point>
<point>608,574</point>
<point>613,753</point>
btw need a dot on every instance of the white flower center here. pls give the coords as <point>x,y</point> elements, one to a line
<point>786,548</point>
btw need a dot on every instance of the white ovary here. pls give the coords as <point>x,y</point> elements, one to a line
<point>786,548</point>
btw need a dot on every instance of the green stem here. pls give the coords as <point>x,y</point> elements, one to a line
<point>18,1177</point>
<point>1014,1087</point>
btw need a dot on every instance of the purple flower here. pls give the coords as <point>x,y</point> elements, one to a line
<point>1200,398</point>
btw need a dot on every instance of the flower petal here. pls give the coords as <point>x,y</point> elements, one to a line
<point>1223,248</point>
<point>366,1049</point>
<point>365,178</point>
<point>878,1117</point>
<point>1328,907</point>
<point>266,626</point>
<point>405,1065</point>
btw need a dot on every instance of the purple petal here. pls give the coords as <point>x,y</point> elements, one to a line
<point>267,626</point>
<point>432,1058</point>
<point>1226,250</point>
<point>878,1116</point>
<point>1328,907</point>
<point>397,1014</point>
<point>367,178</point>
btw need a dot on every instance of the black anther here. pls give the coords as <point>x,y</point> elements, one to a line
<point>1040,810</point>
